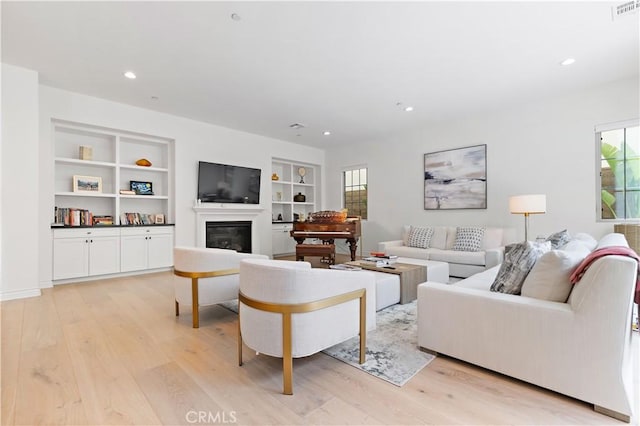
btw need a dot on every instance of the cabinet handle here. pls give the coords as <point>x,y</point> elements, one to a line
<point>86,241</point>
<point>91,241</point>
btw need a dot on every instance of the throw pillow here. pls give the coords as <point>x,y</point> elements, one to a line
<point>549,277</point>
<point>559,239</point>
<point>468,238</point>
<point>518,261</point>
<point>419,237</point>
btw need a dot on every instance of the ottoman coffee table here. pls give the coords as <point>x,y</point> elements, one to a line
<point>411,274</point>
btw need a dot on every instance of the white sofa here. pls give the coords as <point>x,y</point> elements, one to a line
<point>461,263</point>
<point>580,348</point>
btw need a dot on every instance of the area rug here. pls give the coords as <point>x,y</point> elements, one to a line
<point>392,348</point>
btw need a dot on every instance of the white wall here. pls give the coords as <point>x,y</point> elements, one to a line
<point>20,173</point>
<point>539,147</point>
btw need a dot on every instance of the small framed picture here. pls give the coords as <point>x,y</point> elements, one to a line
<point>159,220</point>
<point>141,188</point>
<point>87,184</point>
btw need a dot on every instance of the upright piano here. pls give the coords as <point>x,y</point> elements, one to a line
<point>328,232</point>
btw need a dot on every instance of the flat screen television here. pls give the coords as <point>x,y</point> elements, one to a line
<point>224,183</point>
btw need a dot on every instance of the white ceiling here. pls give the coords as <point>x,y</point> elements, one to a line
<point>338,66</point>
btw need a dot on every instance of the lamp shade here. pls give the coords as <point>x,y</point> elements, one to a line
<point>532,204</point>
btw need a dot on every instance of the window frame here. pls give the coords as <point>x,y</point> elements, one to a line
<point>598,130</point>
<point>344,188</point>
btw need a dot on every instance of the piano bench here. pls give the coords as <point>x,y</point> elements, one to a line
<point>326,251</point>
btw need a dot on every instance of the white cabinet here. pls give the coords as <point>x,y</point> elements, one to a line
<point>282,242</point>
<point>85,252</point>
<point>290,183</point>
<point>146,247</point>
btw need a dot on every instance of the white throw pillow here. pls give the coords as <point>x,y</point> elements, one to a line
<point>549,277</point>
<point>586,239</point>
<point>420,237</point>
<point>405,234</point>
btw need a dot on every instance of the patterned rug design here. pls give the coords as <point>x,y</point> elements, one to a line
<point>392,348</point>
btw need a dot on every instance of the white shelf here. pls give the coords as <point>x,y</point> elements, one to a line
<point>91,163</point>
<point>86,194</point>
<point>145,169</point>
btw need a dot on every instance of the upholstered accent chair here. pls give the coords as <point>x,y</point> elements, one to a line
<point>289,310</point>
<point>206,276</point>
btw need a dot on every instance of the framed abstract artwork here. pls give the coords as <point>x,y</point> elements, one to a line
<point>456,179</point>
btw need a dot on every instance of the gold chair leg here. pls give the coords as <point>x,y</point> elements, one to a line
<point>177,309</point>
<point>287,358</point>
<point>195,303</point>
<point>239,338</point>
<point>363,327</point>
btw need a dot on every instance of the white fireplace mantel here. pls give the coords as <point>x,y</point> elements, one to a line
<point>216,212</point>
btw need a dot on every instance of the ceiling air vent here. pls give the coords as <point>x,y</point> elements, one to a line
<point>296,126</point>
<point>625,9</point>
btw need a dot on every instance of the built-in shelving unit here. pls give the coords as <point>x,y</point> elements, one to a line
<point>288,185</point>
<point>81,252</point>
<point>283,204</point>
<point>114,159</point>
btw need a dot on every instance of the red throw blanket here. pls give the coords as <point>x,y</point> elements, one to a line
<point>596,254</point>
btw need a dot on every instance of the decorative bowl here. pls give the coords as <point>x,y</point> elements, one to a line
<point>329,216</point>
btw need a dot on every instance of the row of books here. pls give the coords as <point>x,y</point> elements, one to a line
<point>137,219</point>
<point>70,216</point>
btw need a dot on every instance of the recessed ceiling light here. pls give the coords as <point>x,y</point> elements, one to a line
<point>568,61</point>
<point>326,133</point>
<point>408,109</point>
<point>236,17</point>
<point>130,74</point>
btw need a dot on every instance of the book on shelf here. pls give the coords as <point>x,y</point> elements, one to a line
<point>71,216</point>
<point>102,220</point>
<point>127,192</point>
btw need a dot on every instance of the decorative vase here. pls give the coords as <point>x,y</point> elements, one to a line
<point>300,198</point>
<point>275,176</point>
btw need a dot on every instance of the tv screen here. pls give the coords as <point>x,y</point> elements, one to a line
<point>223,183</point>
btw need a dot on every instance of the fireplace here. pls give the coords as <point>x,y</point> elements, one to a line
<point>234,235</point>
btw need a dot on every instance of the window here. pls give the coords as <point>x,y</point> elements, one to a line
<point>355,191</point>
<point>618,147</point>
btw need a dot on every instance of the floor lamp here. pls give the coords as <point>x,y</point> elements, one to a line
<point>526,205</point>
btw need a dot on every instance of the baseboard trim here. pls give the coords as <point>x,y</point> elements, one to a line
<point>19,294</point>
<point>607,412</point>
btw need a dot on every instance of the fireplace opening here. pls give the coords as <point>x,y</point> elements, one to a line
<point>229,235</point>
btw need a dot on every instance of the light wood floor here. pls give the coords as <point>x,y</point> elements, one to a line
<point>113,352</point>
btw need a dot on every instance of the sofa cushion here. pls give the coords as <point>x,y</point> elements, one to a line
<point>463,257</point>
<point>419,237</point>
<point>480,281</point>
<point>612,240</point>
<point>405,234</point>
<point>468,238</point>
<point>549,277</point>
<point>518,261</point>
<point>404,251</point>
<point>559,239</point>
<point>492,238</point>
<point>439,239</point>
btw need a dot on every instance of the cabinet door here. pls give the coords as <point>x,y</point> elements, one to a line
<point>133,253</point>
<point>104,255</point>
<point>70,258</point>
<point>289,244</point>
<point>160,250</point>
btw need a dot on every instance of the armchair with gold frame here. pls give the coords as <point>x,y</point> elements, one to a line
<point>289,310</point>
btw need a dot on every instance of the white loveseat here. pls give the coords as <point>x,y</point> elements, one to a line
<point>580,348</point>
<point>461,263</point>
